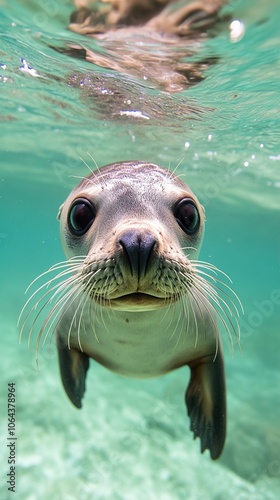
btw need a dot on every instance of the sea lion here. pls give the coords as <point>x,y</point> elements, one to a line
<point>134,296</point>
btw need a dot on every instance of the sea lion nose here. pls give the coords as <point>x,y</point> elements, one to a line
<point>138,248</point>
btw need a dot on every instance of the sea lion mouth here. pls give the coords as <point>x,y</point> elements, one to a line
<point>140,297</point>
<point>137,301</point>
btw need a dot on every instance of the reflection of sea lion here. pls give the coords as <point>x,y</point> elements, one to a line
<point>149,45</point>
<point>152,40</point>
<point>134,297</point>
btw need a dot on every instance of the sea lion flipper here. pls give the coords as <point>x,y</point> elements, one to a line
<point>206,403</point>
<point>73,368</point>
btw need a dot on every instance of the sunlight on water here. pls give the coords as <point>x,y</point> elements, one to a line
<point>132,440</point>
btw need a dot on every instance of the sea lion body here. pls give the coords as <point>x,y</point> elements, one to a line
<point>135,303</point>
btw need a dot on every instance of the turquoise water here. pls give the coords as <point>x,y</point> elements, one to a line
<point>131,440</point>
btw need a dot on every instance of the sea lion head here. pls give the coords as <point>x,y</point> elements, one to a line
<point>136,228</point>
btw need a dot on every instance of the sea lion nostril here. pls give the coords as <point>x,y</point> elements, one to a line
<point>138,248</point>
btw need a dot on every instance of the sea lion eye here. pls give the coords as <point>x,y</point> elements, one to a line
<point>80,217</point>
<point>187,216</point>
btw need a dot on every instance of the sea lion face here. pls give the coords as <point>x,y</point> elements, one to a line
<point>137,226</point>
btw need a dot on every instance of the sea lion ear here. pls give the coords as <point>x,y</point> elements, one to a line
<point>59,212</point>
<point>206,403</point>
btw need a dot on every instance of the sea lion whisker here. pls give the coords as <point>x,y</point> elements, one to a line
<point>216,289</point>
<point>106,287</point>
<point>213,288</point>
<point>189,290</point>
<point>205,265</point>
<point>227,328</point>
<point>217,280</point>
<point>80,290</point>
<point>180,331</point>
<point>177,292</point>
<point>60,265</point>
<point>173,172</point>
<point>163,318</point>
<point>187,312</point>
<point>210,267</point>
<point>214,280</point>
<point>166,294</point>
<point>87,165</point>
<point>167,297</point>
<point>44,285</point>
<point>93,308</point>
<point>62,275</point>
<point>220,311</point>
<point>58,287</point>
<point>205,286</point>
<point>86,178</point>
<point>195,321</point>
<point>96,165</point>
<point>227,296</point>
<point>211,312</point>
<point>189,248</point>
<point>210,276</point>
<point>62,286</point>
<point>179,288</point>
<point>181,176</point>
<point>235,296</point>
<point>84,299</point>
<point>81,178</point>
<point>192,292</point>
<point>64,290</point>
<point>102,315</point>
<point>93,303</point>
<point>72,261</point>
<point>62,305</point>
<point>186,309</point>
<point>174,329</point>
<point>99,298</point>
<point>168,178</point>
<point>58,305</point>
<point>168,302</point>
<point>88,277</point>
<point>93,173</point>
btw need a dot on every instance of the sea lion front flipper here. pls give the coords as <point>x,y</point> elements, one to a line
<point>74,365</point>
<point>206,403</point>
